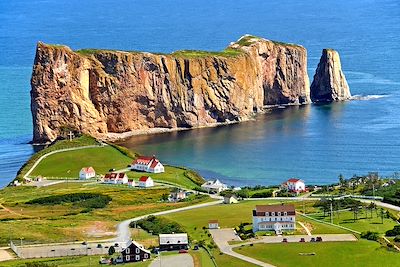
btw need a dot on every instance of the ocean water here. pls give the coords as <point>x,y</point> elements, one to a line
<point>313,142</point>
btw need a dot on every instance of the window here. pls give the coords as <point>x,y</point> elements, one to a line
<point>267,214</point>
<point>137,257</point>
<point>137,250</point>
<point>285,213</point>
<point>127,251</point>
<point>279,213</point>
<point>145,255</point>
<point>128,258</point>
<point>272,213</point>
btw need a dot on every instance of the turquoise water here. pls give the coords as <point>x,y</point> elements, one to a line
<point>315,143</point>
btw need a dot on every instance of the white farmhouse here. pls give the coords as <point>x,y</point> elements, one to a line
<point>146,181</point>
<point>115,178</point>
<point>276,218</point>
<point>214,186</point>
<point>87,173</point>
<point>294,185</point>
<point>147,164</point>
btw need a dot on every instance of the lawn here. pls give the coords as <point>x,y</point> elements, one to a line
<point>330,254</point>
<point>69,163</point>
<point>374,224</point>
<point>77,142</point>
<point>230,216</point>
<point>66,262</point>
<point>70,221</point>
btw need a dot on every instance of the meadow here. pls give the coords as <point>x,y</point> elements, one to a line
<point>330,254</point>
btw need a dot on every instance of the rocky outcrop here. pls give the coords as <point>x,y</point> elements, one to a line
<point>101,91</point>
<point>329,82</point>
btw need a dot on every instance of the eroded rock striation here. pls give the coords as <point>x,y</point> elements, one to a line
<point>102,91</point>
<point>329,82</point>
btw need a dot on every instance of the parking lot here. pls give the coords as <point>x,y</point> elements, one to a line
<point>62,250</point>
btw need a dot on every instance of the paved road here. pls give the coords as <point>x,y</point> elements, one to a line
<point>178,260</point>
<point>60,250</point>
<point>5,255</point>
<point>221,238</point>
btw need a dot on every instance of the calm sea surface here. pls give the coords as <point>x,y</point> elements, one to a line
<point>314,142</point>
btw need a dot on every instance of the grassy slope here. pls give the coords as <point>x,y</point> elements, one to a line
<point>77,142</point>
<point>66,222</point>
<point>362,253</point>
<point>362,224</point>
<point>69,163</point>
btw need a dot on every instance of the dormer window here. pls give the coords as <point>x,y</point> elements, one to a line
<point>272,213</point>
<point>279,213</point>
<point>285,213</point>
<point>267,214</point>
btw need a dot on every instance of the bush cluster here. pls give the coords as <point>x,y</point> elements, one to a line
<point>394,232</point>
<point>85,200</point>
<point>370,235</point>
<point>158,225</point>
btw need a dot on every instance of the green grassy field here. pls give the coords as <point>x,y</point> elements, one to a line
<point>66,262</point>
<point>330,254</point>
<point>69,221</point>
<point>230,216</point>
<point>345,218</point>
<point>69,163</point>
<point>77,142</point>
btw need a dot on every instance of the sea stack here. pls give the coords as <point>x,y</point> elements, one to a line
<point>329,82</point>
<point>108,92</point>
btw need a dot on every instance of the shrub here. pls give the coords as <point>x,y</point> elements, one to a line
<point>85,200</point>
<point>39,264</point>
<point>370,235</point>
<point>262,194</point>
<point>158,225</point>
<point>397,239</point>
<point>394,232</point>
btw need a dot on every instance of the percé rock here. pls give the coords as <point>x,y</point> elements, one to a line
<point>329,82</point>
<point>102,91</point>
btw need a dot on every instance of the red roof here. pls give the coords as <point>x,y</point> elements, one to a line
<point>88,169</point>
<point>143,178</point>
<point>114,175</point>
<point>154,163</point>
<point>143,160</point>
<point>293,180</point>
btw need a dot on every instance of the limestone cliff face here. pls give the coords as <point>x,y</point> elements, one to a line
<point>329,82</point>
<point>100,91</point>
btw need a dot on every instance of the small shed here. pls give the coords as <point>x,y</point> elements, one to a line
<point>213,224</point>
<point>230,199</point>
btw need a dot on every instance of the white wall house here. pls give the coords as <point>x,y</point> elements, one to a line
<point>87,173</point>
<point>214,186</point>
<point>294,185</point>
<point>131,183</point>
<point>276,218</point>
<point>146,181</point>
<point>213,224</point>
<point>147,164</point>
<point>115,178</point>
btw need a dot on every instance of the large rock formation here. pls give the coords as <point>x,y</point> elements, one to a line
<point>329,82</point>
<point>100,91</point>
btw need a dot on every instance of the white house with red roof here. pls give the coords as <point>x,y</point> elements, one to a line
<point>87,173</point>
<point>278,218</point>
<point>294,185</point>
<point>147,164</point>
<point>115,178</point>
<point>146,181</point>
